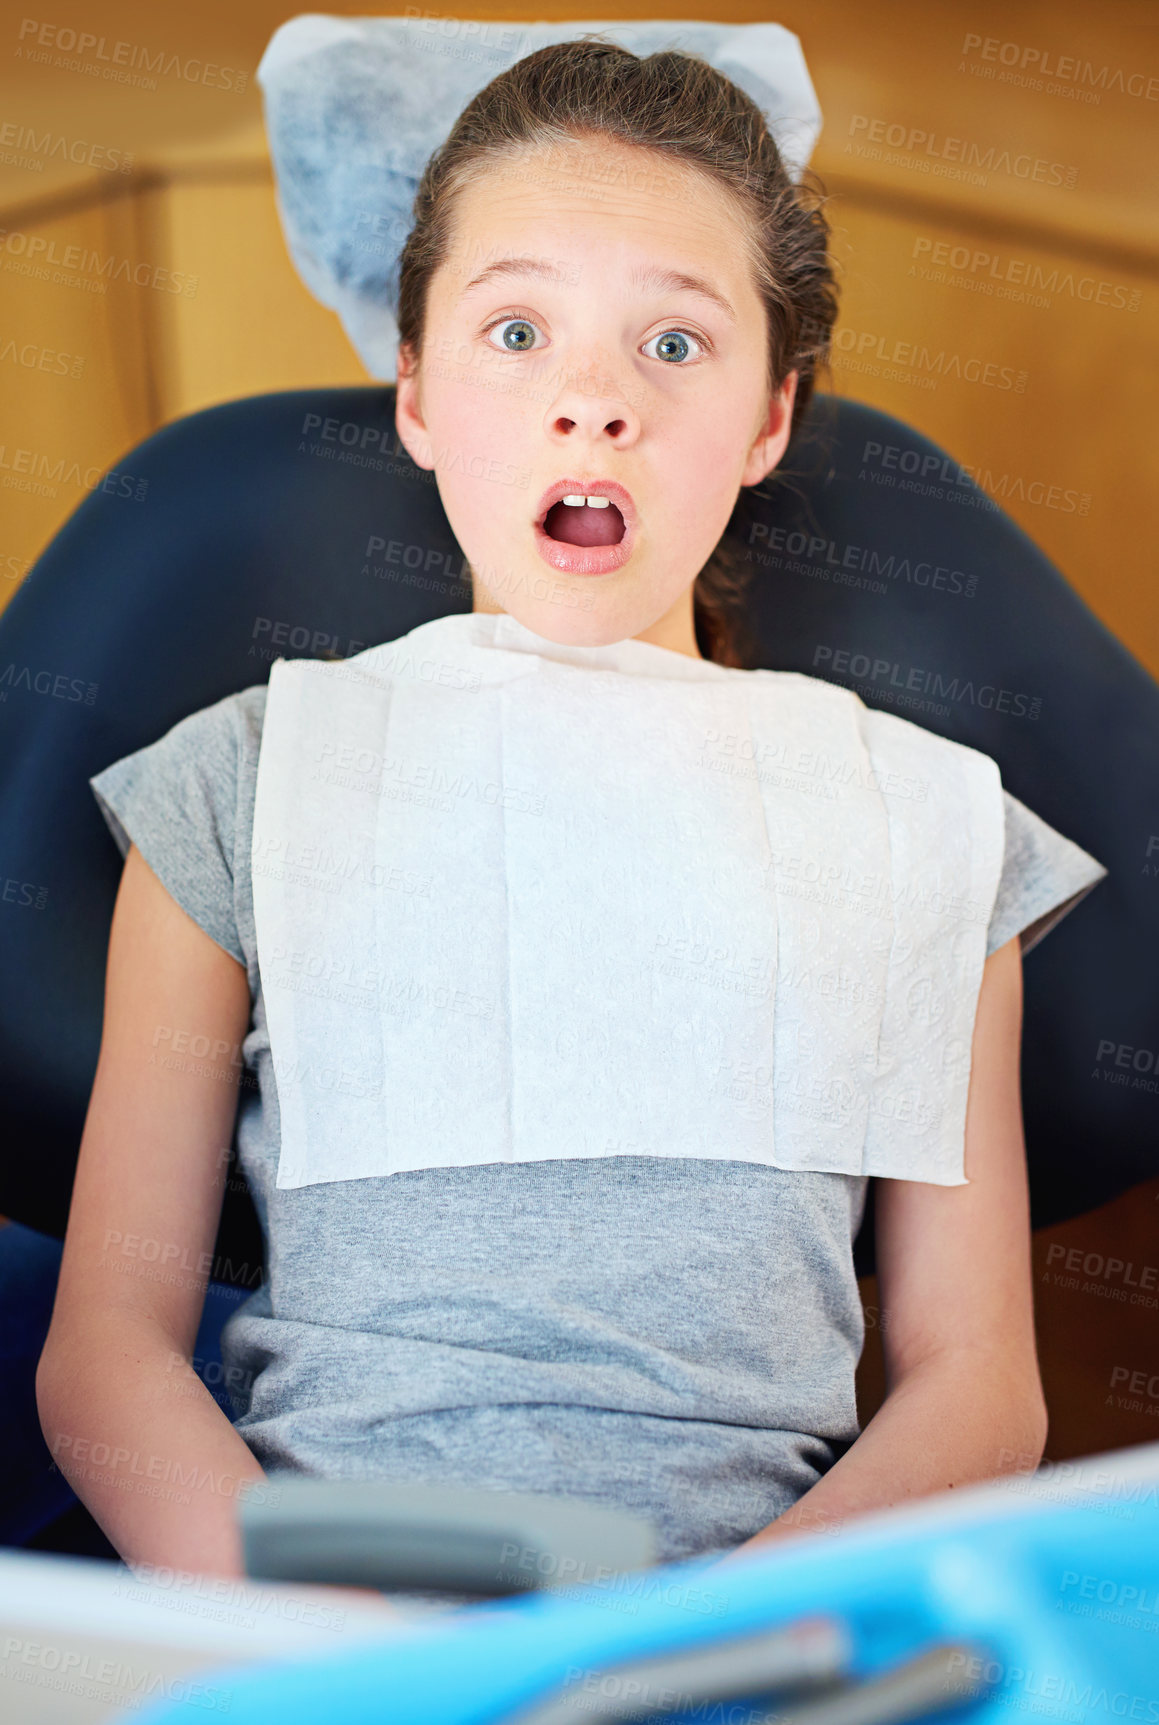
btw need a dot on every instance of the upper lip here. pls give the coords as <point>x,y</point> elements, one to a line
<point>609,488</point>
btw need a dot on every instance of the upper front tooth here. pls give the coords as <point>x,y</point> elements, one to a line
<point>577,501</point>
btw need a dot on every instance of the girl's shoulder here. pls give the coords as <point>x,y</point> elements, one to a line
<point>186,801</point>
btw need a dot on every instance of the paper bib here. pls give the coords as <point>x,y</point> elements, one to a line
<point>520,901</point>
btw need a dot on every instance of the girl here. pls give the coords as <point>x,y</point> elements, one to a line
<point>558,1195</point>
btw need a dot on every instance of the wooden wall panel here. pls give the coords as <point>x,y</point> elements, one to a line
<point>1034,400</point>
<point>253,326</point>
<point>73,384</point>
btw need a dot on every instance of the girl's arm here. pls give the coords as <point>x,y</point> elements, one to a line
<point>126,1418</point>
<point>964,1397</point>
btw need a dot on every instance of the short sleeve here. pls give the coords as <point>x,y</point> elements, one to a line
<point>1044,875</point>
<point>176,800</point>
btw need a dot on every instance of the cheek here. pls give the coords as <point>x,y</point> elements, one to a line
<point>700,483</point>
<point>489,409</point>
<point>482,446</point>
<point>468,413</point>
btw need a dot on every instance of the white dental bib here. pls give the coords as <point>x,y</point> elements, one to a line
<point>518,901</point>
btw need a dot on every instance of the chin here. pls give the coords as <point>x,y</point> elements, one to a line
<point>569,625</point>
<point>576,610</point>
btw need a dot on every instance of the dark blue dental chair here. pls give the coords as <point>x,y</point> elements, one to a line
<point>295,524</point>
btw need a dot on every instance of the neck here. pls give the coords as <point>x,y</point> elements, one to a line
<point>675,630</point>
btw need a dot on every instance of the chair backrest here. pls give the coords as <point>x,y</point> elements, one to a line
<point>295,524</point>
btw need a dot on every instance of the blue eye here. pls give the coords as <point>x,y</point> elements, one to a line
<point>521,325</point>
<point>676,341</point>
<point>518,336</point>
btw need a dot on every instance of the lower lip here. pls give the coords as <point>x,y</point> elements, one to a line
<point>583,559</point>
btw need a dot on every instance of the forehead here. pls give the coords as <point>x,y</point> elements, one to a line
<point>597,191</point>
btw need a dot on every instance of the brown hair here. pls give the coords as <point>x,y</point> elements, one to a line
<point>679,106</point>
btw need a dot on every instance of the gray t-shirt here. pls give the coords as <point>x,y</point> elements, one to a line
<point>673,1336</point>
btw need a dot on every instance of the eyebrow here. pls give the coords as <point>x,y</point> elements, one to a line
<point>646,277</point>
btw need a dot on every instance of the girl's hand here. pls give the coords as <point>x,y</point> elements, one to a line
<point>362,1596</point>
<point>800,1526</point>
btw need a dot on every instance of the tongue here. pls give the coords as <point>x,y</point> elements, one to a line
<point>584,526</point>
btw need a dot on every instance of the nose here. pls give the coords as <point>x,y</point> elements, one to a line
<point>592,407</point>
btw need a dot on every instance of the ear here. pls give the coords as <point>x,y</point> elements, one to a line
<point>408,412</point>
<point>772,439</point>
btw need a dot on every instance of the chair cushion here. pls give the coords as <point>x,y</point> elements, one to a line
<point>295,524</point>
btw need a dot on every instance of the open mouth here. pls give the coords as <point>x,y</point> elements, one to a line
<point>584,524</point>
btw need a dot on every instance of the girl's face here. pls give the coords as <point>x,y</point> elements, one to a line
<point>594,320</point>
